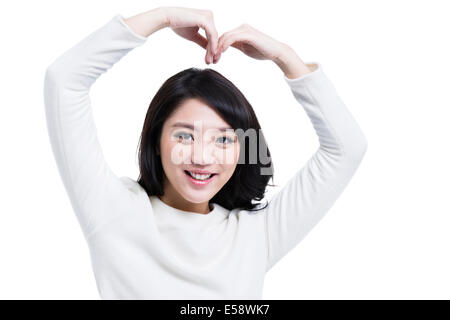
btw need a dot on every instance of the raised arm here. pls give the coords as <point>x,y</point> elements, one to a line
<point>309,194</point>
<point>97,195</point>
<point>296,209</point>
<point>94,190</point>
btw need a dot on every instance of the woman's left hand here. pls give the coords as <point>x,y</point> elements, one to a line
<point>250,41</point>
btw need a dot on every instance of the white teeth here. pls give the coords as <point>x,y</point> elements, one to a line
<point>200,176</point>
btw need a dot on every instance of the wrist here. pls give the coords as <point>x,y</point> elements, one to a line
<point>290,63</point>
<point>164,21</point>
<point>148,22</point>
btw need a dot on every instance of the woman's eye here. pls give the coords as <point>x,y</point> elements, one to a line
<point>183,137</point>
<point>226,140</point>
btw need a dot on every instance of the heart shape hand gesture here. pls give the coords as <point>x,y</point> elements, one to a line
<point>186,22</point>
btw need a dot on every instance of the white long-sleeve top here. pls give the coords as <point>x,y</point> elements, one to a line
<point>140,247</point>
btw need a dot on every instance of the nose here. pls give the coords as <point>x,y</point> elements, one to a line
<point>201,153</point>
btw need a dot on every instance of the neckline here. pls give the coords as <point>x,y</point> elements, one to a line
<point>213,211</point>
<point>166,212</point>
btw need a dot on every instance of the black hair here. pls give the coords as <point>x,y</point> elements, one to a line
<point>247,184</point>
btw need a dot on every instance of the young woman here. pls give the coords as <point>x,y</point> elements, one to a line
<point>189,227</point>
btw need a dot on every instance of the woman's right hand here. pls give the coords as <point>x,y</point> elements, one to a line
<point>186,22</point>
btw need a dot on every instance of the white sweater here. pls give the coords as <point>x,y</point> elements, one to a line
<point>140,247</point>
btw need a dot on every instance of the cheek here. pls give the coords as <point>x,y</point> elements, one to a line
<point>229,162</point>
<point>237,150</point>
<point>228,156</point>
<point>166,150</point>
<point>175,154</point>
<point>226,172</point>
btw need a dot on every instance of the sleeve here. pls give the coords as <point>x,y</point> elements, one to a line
<point>309,194</point>
<point>93,189</point>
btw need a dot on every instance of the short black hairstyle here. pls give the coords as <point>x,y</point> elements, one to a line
<point>247,184</point>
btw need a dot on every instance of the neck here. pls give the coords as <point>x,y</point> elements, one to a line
<point>172,198</point>
<point>184,205</point>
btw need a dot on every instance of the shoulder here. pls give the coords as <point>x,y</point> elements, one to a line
<point>132,185</point>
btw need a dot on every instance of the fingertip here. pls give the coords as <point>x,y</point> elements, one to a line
<point>216,58</point>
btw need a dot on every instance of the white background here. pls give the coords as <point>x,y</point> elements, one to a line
<point>386,237</point>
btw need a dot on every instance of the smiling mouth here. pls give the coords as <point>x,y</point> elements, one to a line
<point>201,177</point>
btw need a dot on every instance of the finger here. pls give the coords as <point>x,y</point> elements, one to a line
<point>204,43</point>
<point>218,53</point>
<point>200,40</point>
<point>234,38</point>
<point>211,35</point>
<point>217,56</point>
<point>227,39</point>
<point>212,44</point>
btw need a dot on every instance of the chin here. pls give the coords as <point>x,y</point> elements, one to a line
<point>196,198</point>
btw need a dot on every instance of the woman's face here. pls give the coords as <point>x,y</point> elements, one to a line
<point>194,139</point>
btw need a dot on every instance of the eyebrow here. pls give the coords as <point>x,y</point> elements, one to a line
<point>190,126</point>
